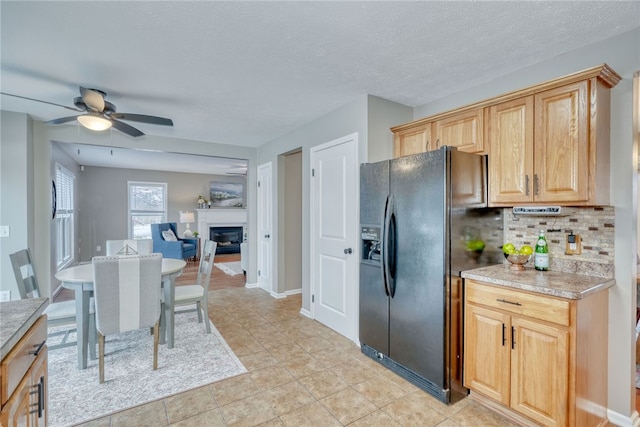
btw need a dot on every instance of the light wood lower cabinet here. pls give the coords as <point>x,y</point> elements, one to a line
<point>24,380</point>
<point>537,356</point>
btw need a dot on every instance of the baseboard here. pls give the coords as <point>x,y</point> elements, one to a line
<point>277,295</point>
<point>306,313</point>
<point>623,420</point>
<point>251,285</point>
<point>286,293</point>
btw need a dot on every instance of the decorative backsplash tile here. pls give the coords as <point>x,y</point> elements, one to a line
<point>596,227</point>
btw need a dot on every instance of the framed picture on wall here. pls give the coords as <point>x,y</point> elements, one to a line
<point>227,195</point>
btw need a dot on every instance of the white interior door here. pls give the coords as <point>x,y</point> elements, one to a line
<point>334,233</point>
<point>265,225</point>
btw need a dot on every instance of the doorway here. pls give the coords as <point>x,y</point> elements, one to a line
<point>290,222</point>
<point>265,226</point>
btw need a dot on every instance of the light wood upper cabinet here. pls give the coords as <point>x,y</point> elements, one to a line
<point>561,144</point>
<point>547,143</point>
<point>464,131</point>
<point>412,141</point>
<point>541,151</point>
<point>511,159</point>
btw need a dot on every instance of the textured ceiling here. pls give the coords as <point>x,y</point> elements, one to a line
<point>245,73</point>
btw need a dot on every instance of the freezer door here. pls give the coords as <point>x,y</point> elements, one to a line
<point>417,310</point>
<point>374,303</point>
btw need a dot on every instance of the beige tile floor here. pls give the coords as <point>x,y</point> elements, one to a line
<point>301,373</point>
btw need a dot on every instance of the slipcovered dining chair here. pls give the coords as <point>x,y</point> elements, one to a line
<point>129,247</point>
<point>198,293</point>
<point>58,313</point>
<point>127,291</point>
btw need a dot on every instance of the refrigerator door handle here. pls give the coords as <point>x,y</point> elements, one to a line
<point>383,246</point>
<point>391,242</point>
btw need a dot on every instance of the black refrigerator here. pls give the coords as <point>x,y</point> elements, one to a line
<point>416,215</point>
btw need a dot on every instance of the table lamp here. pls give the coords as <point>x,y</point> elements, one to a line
<point>186,218</point>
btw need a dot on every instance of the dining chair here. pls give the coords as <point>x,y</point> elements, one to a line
<point>198,293</point>
<point>127,291</point>
<point>129,247</point>
<point>58,313</point>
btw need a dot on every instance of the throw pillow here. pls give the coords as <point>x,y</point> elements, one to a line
<point>169,236</point>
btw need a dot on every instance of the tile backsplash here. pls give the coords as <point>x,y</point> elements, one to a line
<point>596,227</point>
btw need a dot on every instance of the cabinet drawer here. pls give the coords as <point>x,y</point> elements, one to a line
<point>19,360</point>
<point>541,307</point>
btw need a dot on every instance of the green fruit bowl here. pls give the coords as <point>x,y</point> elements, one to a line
<point>517,261</point>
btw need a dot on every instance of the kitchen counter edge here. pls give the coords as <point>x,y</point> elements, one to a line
<point>16,317</point>
<point>554,283</point>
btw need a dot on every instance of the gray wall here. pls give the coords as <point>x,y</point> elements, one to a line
<point>58,155</point>
<point>104,203</point>
<point>622,53</point>
<point>16,194</point>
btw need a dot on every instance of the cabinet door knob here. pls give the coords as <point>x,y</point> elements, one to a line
<point>348,251</point>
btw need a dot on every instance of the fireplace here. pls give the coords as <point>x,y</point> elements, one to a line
<point>228,238</point>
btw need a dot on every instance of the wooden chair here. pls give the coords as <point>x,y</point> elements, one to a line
<point>58,313</point>
<point>129,247</point>
<point>127,291</point>
<point>198,293</point>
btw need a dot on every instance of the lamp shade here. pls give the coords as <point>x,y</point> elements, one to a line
<point>94,121</point>
<point>187,217</point>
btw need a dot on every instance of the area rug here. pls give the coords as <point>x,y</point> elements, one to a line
<point>231,268</point>
<point>197,359</point>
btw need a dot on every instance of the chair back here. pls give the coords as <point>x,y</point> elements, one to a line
<point>206,263</point>
<point>157,229</point>
<point>129,247</point>
<point>127,292</point>
<point>25,274</point>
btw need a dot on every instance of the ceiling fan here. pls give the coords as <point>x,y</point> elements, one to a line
<point>101,114</point>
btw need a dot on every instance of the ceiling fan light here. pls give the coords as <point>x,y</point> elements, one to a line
<point>94,122</point>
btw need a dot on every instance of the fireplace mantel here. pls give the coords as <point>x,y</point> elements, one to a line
<point>219,217</point>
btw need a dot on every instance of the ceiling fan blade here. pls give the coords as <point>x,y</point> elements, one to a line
<point>123,127</point>
<point>154,120</point>
<point>39,100</point>
<point>93,99</point>
<point>61,120</point>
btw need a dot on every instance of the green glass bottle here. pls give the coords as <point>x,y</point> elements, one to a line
<point>541,256</point>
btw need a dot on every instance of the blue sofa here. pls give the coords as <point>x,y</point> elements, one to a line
<point>180,249</point>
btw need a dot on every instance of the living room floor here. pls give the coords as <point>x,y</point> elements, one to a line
<point>300,373</point>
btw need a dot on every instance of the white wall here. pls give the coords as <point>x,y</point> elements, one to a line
<point>622,53</point>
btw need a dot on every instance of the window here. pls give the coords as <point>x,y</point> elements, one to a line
<point>64,220</point>
<point>147,205</point>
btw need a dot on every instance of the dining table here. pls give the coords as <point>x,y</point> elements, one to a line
<point>80,279</point>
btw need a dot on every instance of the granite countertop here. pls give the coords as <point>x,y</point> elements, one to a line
<point>554,283</point>
<point>16,317</point>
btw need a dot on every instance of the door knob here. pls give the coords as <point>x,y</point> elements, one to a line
<point>348,251</point>
<point>266,236</point>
